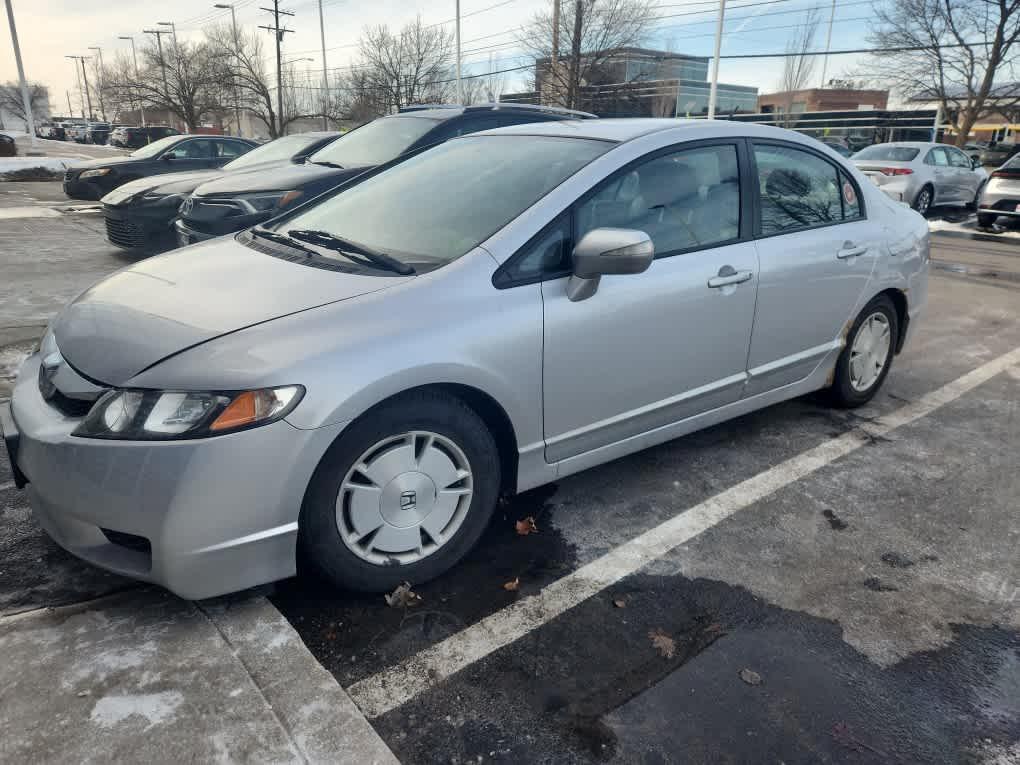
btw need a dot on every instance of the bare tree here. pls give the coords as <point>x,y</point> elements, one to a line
<point>590,33</point>
<point>190,89</point>
<point>962,78</point>
<point>798,67</point>
<point>409,67</point>
<point>352,99</point>
<point>12,102</point>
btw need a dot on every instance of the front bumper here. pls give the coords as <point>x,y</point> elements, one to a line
<point>78,189</point>
<point>202,517</point>
<point>140,227</point>
<point>187,235</point>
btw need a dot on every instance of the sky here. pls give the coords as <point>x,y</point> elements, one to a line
<point>51,29</point>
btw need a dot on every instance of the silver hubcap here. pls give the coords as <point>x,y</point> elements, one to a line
<point>404,498</point>
<point>924,200</point>
<point>869,352</point>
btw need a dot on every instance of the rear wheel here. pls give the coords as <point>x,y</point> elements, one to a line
<point>864,363</point>
<point>403,494</point>
<point>923,200</point>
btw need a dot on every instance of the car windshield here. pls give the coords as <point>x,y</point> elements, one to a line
<point>281,148</point>
<point>154,148</point>
<point>442,203</point>
<point>375,143</point>
<point>888,152</point>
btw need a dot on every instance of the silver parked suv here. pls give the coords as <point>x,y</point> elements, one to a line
<point>360,378</point>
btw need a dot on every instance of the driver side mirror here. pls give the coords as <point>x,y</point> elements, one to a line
<point>604,252</point>
<point>168,156</point>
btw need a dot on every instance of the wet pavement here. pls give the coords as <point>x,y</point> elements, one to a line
<point>866,612</point>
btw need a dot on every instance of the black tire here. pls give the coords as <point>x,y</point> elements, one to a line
<point>985,220</point>
<point>924,199</point>
<point>429,410</point>
<point>842,393</point>
<point>973,204</point>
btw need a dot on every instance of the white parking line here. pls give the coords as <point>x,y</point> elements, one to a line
<point>396,685</point>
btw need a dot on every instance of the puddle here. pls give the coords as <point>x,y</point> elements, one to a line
<point>355,635</point>
<point>591,686</point>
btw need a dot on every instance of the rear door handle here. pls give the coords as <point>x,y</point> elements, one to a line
<point>850,250</point>
<point>727,275</point>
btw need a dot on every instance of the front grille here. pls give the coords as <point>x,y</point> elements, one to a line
<point>69,407</point>
<point>124,233</point>
<point>130,541</point>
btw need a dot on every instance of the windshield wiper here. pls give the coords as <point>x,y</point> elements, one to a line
<point>337,244</point>
<point>272,236</point>
<point>327,163</point>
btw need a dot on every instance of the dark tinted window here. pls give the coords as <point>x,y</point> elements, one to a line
<point>548,253</point>
<point>937,157</point>
<point>375,143</point>
<point>690,198</point>
<point>463,126</point>
<point>888,152</point>
<point>797,189</point>
<point>958,159</point>
<point>231,149</point>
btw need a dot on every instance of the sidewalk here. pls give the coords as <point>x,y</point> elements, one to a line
<point>143,676</point>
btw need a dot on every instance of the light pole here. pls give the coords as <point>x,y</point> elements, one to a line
<point>237,56</point>
<point>715,63</point>
<point>81,93</point>
<point>25,100</point>
<point>325,80</point>
<point>134,56</point>
<point>102,80</point>
<point>162,61</point>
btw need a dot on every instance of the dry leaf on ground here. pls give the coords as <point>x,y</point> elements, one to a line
<point>526,526</point>
<point>512,585</point>
<point>403,597</point>
<point>663,643</point>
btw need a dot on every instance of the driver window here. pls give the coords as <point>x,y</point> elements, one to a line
<point>683,200</point>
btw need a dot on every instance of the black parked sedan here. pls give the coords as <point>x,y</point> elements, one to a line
<point>234,203</point>
<point>93,179</point>
<point>139,214</point>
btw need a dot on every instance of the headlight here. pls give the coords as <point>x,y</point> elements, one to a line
<point>149,415</point>
<point>95,173</point>
<point>276,200</point>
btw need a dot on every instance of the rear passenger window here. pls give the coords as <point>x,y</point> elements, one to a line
<point>684,200</point>
<point>797,190</point>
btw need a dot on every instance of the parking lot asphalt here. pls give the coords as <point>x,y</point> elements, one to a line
<point>798,585</point>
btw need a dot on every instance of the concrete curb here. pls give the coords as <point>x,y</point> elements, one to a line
<point>324,723</point>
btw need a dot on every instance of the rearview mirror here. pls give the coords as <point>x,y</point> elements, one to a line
<point>604,252</point>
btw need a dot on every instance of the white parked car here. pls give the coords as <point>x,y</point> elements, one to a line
<point>922,174</point>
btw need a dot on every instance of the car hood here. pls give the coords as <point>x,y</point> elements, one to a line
<point>169,183</point>
<point>158,307</point>
<point>275,179</point>
<point>105,162</point>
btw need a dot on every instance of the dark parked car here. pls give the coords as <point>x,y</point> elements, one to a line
<point>7,146</point>
<point>995,154</point>
<point>140,214</point>
<point>234,203</point>
<point>98,133</point>
<point>137,137</point>
<point>93,179</point>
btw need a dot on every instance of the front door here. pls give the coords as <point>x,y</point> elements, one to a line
<point>947,188</point>
<point>648,350</point>
<point>817,252</point>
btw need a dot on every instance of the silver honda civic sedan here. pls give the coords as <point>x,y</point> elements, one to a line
<point>358,381</point>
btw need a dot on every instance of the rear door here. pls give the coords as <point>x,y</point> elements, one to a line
<point>190,154</point>
<point>947,188</point>
<point>226,149</point>
<point>817,251</point>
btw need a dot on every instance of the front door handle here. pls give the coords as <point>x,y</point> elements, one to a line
<point>728,275</point>
<point>850,250</point>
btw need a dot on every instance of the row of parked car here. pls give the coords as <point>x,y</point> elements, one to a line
<point>425,315</point>
<point>100,133</point>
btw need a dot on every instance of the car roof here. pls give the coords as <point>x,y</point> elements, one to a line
<point>627,129</point>
<point>441,112</point>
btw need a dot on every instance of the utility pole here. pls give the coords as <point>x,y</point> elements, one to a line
<point>237,56</point>
<point>460,89</point>
<point>85,77</point>
<point>279,32</point>
<point>325,79</point>
<point>81,93</point>
<point>102,79</point>
<point>575,55</point>
<point>173,29</point>
<point>25,100</point>
<point>134,56</point>
<point>553,73</point>
<point>715,63</point>
<point>828,42</point>
<point>162,61</point>
<point>70,111</point>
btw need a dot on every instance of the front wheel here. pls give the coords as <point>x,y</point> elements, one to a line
<point>865,361</point>
<point>402,495</point>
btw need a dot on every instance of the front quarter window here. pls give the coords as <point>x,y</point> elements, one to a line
<point>441,204</point>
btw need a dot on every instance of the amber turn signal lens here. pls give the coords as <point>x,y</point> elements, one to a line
<point>242,411</point>
<point>255,406</point>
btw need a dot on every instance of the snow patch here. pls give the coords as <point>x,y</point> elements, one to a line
<point>154,708</point>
